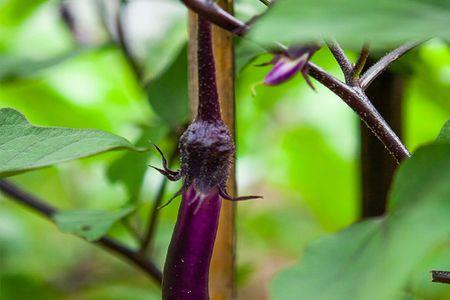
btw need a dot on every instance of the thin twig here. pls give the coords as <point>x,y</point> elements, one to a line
<point>384,62</point>
<point>360,63</point>
<point>217,15</point>
<point>341,58</point>
<point>119,37</point>
<point>151,228</point>
<point>440,276</point>
<point>266,2</point>
<point>123,42</point>
<point>352,96</point>
<point>46,210</point>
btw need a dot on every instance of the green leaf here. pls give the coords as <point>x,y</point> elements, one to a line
<point>162,54</point>
<point>246,52</point>
<point>14,67</point>
<point>89,224</point>
<point>26,286</point>
<point>131,167</point>
<point>168,93</point>
<point>375,259</point>
<point>26,147</point>
<point>444,135</point>
<point>13,12</point>
<point>382,23</point>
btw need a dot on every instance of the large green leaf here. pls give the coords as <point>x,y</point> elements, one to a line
<point>25,147</point>
<point>168,93</point>
<point>375,259</point>
<point>89,224</point>
<point>383,23</point>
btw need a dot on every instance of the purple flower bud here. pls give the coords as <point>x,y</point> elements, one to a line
<point>284,69</point>
<point>290,62</point>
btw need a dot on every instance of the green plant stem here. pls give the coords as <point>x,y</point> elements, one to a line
<point>114,247</point>
<point>360,63</point>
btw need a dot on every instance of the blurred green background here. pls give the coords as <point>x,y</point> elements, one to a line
<point>297,147</point>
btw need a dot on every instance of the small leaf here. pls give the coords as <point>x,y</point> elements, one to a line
<point>26,147</point>
<point>89,224</point>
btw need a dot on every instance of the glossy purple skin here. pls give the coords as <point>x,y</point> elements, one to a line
<point>186,269</point>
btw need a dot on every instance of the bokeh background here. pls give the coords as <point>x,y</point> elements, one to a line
<point>298,148</point>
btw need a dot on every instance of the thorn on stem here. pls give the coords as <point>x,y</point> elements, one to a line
<point>171,199</point>
<point>170,174</point>
<point>307,79</point>
<point>223,193</point>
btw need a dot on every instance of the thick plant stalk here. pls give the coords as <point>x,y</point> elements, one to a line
<point>206,151</point>
<point>222,274</point>
<point>377,166</point>
<point>223,261</point>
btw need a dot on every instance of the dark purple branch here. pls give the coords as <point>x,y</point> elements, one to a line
<point>120,37</point>
<point>440,276</point>
<point>384,62</point>
<point>79,36</point>
<point>39,206</point>
<point>215,14</point>
<point>28,200</point>
<point>358,101</point>
<point>354,97</point>
<point>341,58</point>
